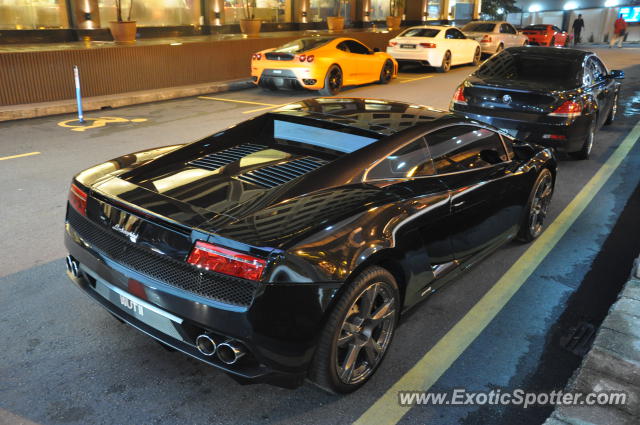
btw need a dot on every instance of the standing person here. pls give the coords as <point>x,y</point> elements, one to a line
<point>619,31</point>
<point>578,25</point>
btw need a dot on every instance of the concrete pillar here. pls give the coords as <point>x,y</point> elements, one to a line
<point>215,12</point>
<point>477,7</point>
<point>366,8</point>
<point>86,13</point>
<point>302,10</point>
<point>424,10</point>
<point>444,10</point>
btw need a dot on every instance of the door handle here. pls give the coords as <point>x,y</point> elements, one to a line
<point>458,205</point>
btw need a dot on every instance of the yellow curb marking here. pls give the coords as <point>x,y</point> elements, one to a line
<point>415,79</point>
<point>90,123</point>
<point>426,372</point>
<point>22,155</point>
<point>247,102</point>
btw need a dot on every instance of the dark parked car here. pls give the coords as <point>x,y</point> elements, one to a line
<point>287,246</point>
<point>556,97</point>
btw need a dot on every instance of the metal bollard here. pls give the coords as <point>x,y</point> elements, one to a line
<point>76,77</point>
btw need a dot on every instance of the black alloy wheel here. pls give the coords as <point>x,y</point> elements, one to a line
<point>537,207</point>
<point>358,332</point>
<point>614,110</point>
<point>477,57</point>
<point>332,81</point>
<point>387,72</point>
<point>552,43</point>
<point>585,152</point>
<point>446,62</point>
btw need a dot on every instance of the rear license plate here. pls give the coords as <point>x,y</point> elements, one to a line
<point>407,46</point>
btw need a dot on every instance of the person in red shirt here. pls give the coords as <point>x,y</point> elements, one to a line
<point>619,31</point>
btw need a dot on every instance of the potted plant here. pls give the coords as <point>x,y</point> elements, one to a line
<point>336,22</point>
<point>250,25</point>
<point>396,9</point>
<point>121,30</point>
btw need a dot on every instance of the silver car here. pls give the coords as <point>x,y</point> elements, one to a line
<point>494,36</point>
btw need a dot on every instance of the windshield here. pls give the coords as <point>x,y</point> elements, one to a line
<point>554,73</point>
<point>303,44</point>
<point>420,32</point>
<point>536,27</point>
<point>479,27</point>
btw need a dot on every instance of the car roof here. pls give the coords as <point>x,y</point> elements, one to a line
<point>488,22</point>
<point>434,27</point>
<point>551,51</point>
<point>383,117</point>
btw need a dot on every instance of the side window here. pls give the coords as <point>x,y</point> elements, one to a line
<point>412,160</point>
<point>449,34</point>
<point>355,47</point>
<point>343,46</point>
<point>556,29</point>
<point>465,147</point>
<point>459,34</point>
<point>599,70</point>
<point>504,29</point>
<point>512,29</point>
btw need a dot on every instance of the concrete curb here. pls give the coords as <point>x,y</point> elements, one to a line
<point>612,364</point>
<point>33,110</point>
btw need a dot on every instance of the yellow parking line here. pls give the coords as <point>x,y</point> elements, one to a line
<point>22,155</point>
<point>237,101</point>
<point>263,109</point>
<point>415,79</point>
<point>386,410</point>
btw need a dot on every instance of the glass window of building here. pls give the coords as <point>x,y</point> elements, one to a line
<point>153,13</point>
<point>277,11</point>
<point>463,9</point>
<point>319,10</point>
<point>433,9</point>
<point>379,10</point>
<point>33,14</point>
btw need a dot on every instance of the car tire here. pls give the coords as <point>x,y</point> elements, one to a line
<point>587,146</point>
<point>446,62</point>
<point>477,57</point>
<point>332,81</point>
<point>351,334</point>
<point>552,43</point>
<point>386,73</point>
<point>614,110</point>
<point>537,207</point>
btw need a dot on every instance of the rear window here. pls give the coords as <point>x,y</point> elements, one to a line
<point>552,72</point>
<point>479,27</point>
<point>536,27</point>
<point>303,44</point>
<point>420,32</point>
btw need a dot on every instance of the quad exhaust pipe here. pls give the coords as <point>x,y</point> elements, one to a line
<point>206,345</point>
<point>72,266</point>
<point>230,351</point>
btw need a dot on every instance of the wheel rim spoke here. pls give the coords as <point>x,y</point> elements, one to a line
<point>383,312</point>
<point>349,363</point>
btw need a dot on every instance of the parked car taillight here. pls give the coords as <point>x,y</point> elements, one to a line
<point>393,43</point>
<point>458,96</point>
<point>310,58</point>
<point>78,199</point>
<point>257,56</point>
<point>429,45</point>
<point>485,39</point>
<point>226,261</point>
<point>302,58</point>
<point>568,109</point>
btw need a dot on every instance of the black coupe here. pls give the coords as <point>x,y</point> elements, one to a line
<point>287,246</point>
<point>552,96</point>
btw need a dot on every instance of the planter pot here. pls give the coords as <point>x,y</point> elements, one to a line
<point>250,27</point>
<point>335,23</point>
<point>123,32</point>
<point>393,22</point>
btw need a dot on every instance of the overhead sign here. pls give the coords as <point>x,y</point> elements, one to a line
<point>630,14</point>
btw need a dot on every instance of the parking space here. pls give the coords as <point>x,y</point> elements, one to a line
<point>486,330</point>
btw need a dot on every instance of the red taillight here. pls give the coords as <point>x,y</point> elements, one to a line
<point>257,56</point>
<point>310,58</point>
<point>568,109</point>
<point>428,45</point>
<point>392,43</point>
<point>302,58</point>
<point>222,260</point>
<point>78,199</point>
<point>458,96</point>
<point>485,39</point>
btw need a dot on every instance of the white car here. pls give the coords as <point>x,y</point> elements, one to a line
<point>438,46</point>
<point>494,36</point>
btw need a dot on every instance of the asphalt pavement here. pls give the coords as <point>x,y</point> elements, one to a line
<point>66,360</point>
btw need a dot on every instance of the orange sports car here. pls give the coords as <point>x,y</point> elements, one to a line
<point>546,35</point>
<point>321,63</point>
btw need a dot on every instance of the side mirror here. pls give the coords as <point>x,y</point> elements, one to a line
<point>376,50</point>
<point>617,74</point>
